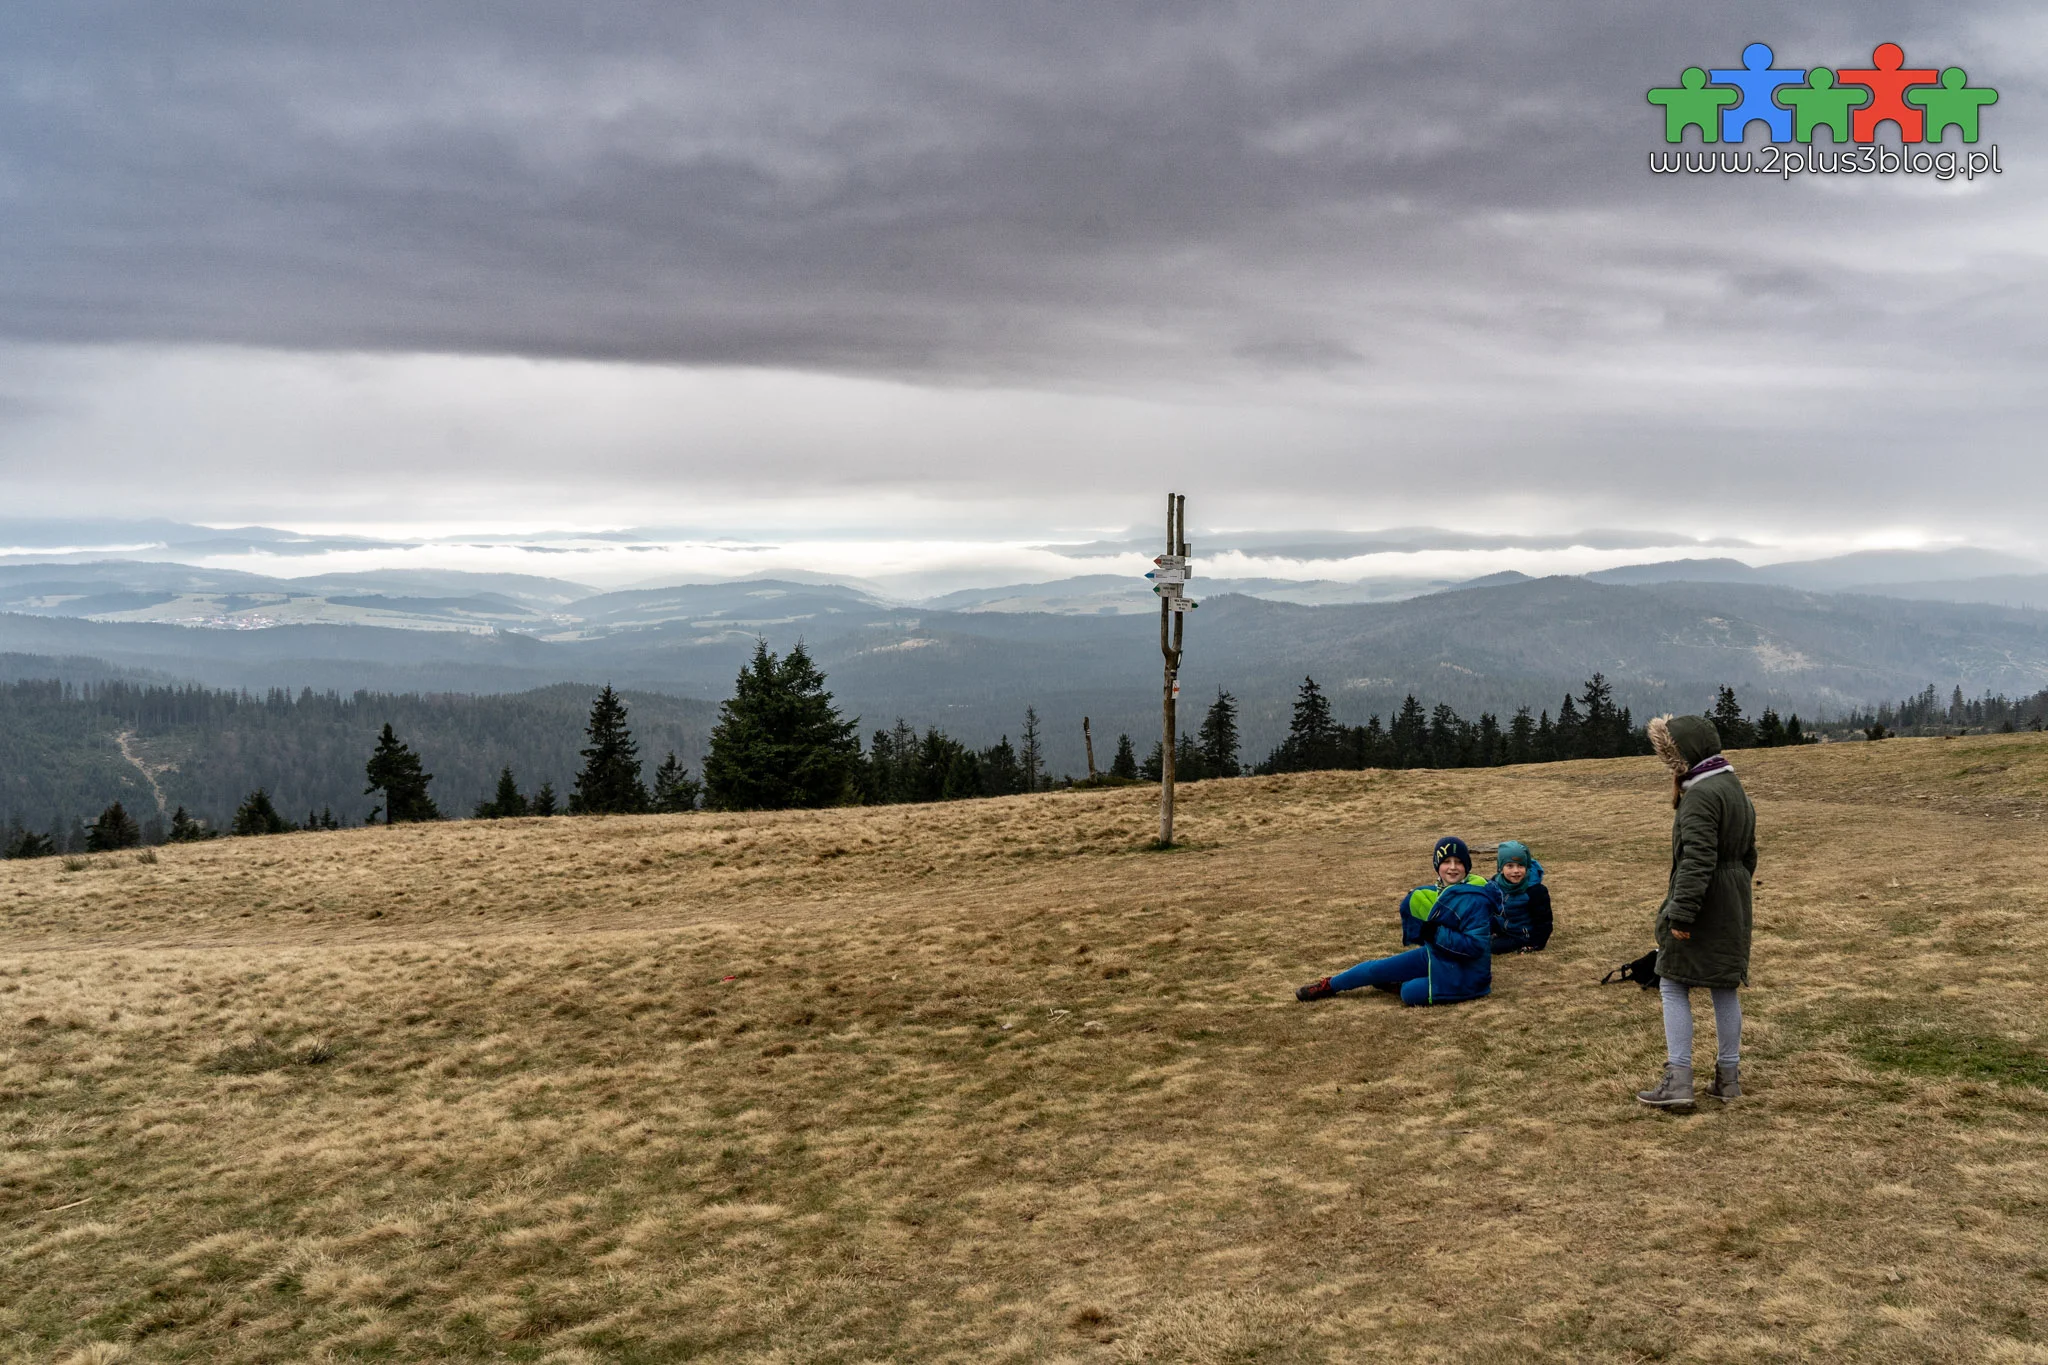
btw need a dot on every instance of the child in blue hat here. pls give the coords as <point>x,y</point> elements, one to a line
<point>1524,922</point>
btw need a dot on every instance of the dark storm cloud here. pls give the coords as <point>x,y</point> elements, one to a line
<point>1325,263</point>
<point>952,192</point>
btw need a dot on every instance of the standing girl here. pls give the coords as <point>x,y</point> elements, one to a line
<point>1703,926</point>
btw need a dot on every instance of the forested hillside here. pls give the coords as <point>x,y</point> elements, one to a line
<point>1662,647</point>
<point>61,757</point>
<point>972,674</point>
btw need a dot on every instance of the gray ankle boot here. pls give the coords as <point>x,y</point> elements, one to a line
<point>1673,1092</point>
<point>1727,1081</point>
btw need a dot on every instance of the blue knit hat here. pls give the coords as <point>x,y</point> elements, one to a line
<point>1512,851</point>
<point>1450,846</point>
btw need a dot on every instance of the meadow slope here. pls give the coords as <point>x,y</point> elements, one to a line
<point>990,1081</point>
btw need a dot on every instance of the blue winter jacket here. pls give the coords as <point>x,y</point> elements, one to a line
<point>1457,932</point>
<point>1417,904</point>
<point>1524,918</point>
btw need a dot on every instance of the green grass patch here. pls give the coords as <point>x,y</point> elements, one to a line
<point>1945,1052</point>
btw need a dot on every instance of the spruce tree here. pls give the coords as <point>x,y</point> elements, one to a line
<point>1408,736</point>
<point>506,803</point>
<point>1770,730</point>
<point>23,844</point>
<point>1445,735</point>
<point>186,830</point>
<point>779,742</point>
<point>891,768</point>
<point>1729,723</point>
<point>1311,742</point>
<point>257,815</point>
<point>675,791</point>
<point>963,776</point>
<point>1600,730</point>
<point>1370,744</point>
<point>1568,736</point>
<point>395,770</point>
<point>1001,773</point>
<point>934,760</point>
<point>1521,746</point>
<point>1310,728</point>
<point>1491,745</point>
<point>1125,764</point>
<point>115,829</point>
<point>1153,769</point>
<point>544,800</point>
<point>1218,738</point>
<point>610,781</point>
<point>1029,754</point>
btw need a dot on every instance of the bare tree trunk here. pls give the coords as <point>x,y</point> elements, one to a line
<point>1088,740</point>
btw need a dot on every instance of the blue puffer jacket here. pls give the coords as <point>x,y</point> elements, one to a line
<point>1524,920</point>
<point>1458,934</point>
<point>1417,904</point>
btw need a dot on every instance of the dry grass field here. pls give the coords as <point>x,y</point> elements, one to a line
<point>991,1081</point>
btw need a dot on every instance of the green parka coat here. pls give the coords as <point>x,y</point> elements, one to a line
<point>1713,857</point>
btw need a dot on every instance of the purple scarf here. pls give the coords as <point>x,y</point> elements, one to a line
<point>1705,768</point>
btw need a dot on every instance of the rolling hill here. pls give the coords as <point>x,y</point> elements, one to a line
<point>935,1083</point>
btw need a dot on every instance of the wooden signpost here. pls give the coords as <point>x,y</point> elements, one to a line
<point>1169,580</point>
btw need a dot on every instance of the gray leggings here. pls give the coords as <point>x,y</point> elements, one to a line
<point>1678,1023</point>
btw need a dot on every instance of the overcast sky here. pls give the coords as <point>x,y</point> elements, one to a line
<point>998,271</point>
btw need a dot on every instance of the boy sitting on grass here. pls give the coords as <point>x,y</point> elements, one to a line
<point>1451,921</point>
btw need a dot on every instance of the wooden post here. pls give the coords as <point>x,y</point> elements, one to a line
<point>1089,741</point>
<point>1176,544</point>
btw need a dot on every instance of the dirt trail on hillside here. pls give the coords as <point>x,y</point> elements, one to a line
<point>149,771</point>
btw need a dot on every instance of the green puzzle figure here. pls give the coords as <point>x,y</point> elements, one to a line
<point>1953,105</point>
<point>1820,103</point>
<point>1690,104</point>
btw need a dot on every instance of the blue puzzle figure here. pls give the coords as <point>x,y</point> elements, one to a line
<point>1757,79</point>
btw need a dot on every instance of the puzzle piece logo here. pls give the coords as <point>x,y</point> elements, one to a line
<point>1850,103</point>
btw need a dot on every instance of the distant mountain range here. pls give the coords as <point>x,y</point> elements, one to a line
<point>554,608</point>
<point>972,662</point>
<point>1867,570</point>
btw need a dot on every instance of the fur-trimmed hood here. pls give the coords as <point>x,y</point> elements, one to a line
<point>1683,741</point>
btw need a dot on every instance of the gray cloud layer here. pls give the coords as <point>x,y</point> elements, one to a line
<point>962,188</point>
<point>1435,218</point>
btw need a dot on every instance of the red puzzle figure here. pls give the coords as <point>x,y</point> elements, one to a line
<point>1887,85</point>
